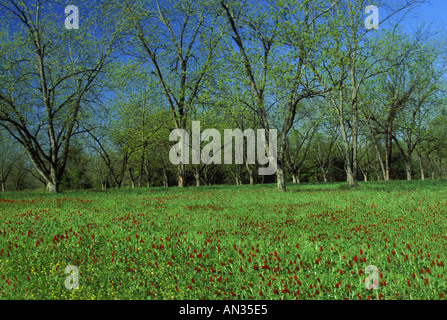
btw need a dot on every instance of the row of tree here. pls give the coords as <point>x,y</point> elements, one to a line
<point>95,106</point>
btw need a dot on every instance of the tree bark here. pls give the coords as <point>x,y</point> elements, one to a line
<point>181,175</point>
<point>281,182</point>
<point>324,175</point>
<point>421,164</point>
<point>280,174</point>
<point>378,171</point>
<point>148,172</point>
<point>197,175</point>
<point>408,169</point>
<point>132,178</point>
<point>51,187</point>
<point>376,147</point>
<point>350,176</point>
<point>296,177</point>
<point>141,170</point>
<point>250,173</point>
<point>352,182</point>
<point>440,166</point>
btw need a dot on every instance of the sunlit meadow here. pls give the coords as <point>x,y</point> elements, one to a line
<point>227,242</point>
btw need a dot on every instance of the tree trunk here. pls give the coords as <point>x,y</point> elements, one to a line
<point>181,175</point>
<point>52,187</point>
<point>378,154</point>
<point>148,172</point>
<point>165,178</point>
<point>197,175</point>
<point>52,182</point>
<point>421,164</point>
<point>378,171</point>
<point>280,178</point>
<point>237,174</point>
<point>352,181</point>
<point>296,177</point>
<point>205,176</point>
<point>141,171</point>
<point>132,178</point>
<point>348,154</point>
<point>350,176</point>
<point>250,173</point>
<point>3,185</point>
<point>388,153</point>
<point>101,179</point>
<point>388,169</point>
<point>280,174</point>
<point>422,173</point>
<point>324,175</point>
<point>408,169</point>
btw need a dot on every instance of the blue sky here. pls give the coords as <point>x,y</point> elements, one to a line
<point>435,13</point>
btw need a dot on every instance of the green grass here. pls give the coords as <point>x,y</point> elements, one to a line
<point>227,242</point>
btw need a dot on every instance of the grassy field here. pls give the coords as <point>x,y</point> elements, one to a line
<point>227,242</point>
